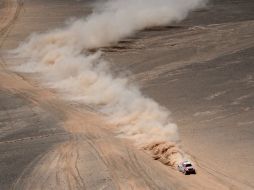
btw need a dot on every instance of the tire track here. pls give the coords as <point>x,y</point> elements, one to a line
<point>6,29</point>
<point>112,175</point>
<point>142,173</point>
<point>32,138</point>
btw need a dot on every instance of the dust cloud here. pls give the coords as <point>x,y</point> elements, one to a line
<point>62,59</point>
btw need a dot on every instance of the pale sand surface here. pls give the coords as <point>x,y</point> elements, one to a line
<point>203,74</point>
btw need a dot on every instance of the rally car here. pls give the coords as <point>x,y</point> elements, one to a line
<point>186,167</point>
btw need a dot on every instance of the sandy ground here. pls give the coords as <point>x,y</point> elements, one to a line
<point>201,69</point>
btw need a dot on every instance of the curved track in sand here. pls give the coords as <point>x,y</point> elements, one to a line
<point>9,14</point>
<point>89,156</point>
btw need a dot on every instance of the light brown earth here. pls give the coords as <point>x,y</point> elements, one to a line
<point>203,74</point>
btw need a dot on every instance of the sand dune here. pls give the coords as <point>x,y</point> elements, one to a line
<point>203,74</point>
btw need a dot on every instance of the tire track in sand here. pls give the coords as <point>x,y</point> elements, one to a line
<point>11,12</point>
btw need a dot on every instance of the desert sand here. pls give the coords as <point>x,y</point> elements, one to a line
<point>201,69</point>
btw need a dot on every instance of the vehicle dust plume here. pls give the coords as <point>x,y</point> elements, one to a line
<point>63,61</point>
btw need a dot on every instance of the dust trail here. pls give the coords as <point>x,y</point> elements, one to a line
<point>167,153</point>
<point>61,57</point>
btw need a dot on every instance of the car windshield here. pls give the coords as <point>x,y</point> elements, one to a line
<point>188,165</point>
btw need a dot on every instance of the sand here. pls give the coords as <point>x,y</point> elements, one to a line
<point>201,69</point>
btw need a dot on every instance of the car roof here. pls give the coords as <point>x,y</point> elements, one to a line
<point>186,162</point>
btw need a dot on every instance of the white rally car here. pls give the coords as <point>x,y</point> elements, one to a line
<point>186,167</point>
